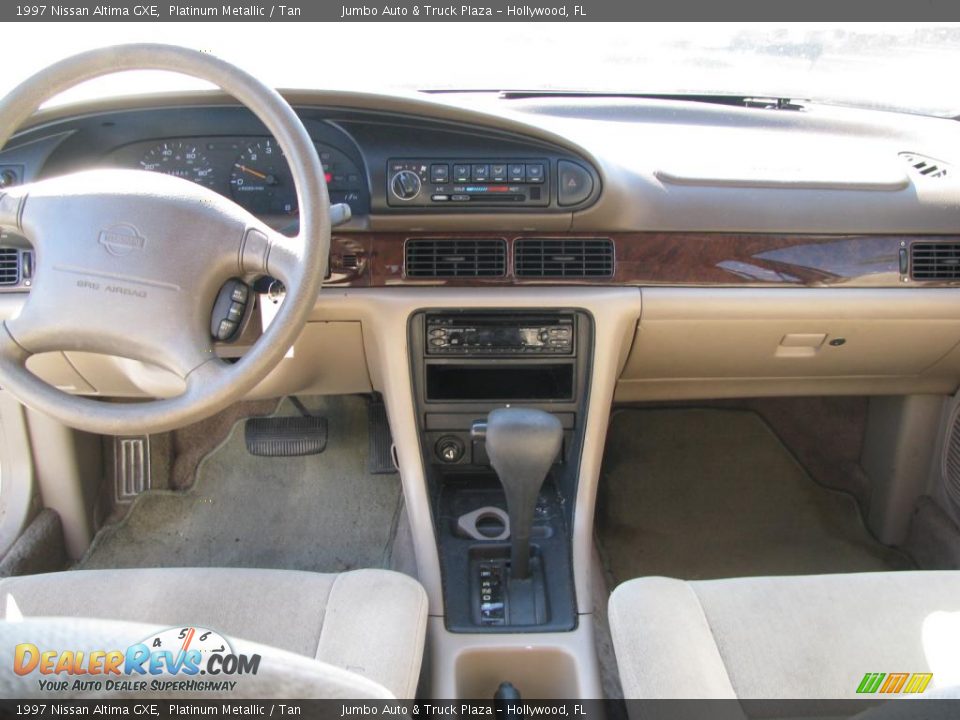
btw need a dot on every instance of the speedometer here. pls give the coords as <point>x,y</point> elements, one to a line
<point>180,159</point>
<point>261,181</point>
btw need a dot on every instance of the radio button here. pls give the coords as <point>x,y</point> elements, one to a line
<point>481,173</point>
<point>461,173</point>
<point>498,173</point>
<point>535,173</point>
<point>516,173</point>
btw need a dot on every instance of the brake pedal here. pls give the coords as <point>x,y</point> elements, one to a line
<point>380,458</point>
<point>285,436</point>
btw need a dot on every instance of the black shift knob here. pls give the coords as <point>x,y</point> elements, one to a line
<point>522,444</point>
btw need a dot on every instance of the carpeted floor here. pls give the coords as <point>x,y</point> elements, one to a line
<point>696,494</point>
<point>322,512</point>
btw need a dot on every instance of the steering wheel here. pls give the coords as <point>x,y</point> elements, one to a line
<point>130,263</point>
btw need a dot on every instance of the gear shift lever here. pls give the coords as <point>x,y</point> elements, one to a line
<point>522,444</point>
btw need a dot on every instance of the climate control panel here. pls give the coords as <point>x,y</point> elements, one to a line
<point>466,182</point>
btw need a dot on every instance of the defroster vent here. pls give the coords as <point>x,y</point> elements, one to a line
<point>935,261</point>
<point>456,258</point>
<point>563,258</point>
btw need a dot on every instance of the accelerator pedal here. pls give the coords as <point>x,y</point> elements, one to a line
<point>286,436</point>
<point>380,457</point>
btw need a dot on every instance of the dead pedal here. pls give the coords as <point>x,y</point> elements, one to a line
<point>131,467</point>
<point>380,457</point>
<point>285,436</point>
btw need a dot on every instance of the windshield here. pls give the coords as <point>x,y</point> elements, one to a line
<point>898,66</point>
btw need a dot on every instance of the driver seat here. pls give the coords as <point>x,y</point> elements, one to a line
<point>369,623</point>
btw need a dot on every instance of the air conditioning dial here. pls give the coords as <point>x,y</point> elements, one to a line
<point>405,185</point>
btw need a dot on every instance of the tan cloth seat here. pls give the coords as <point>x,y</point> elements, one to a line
<point>808,637</point>
<point>371,623</point>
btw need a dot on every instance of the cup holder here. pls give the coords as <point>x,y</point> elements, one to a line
<point>486,523</point>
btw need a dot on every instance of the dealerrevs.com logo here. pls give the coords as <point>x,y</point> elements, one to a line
<point>189,659</point>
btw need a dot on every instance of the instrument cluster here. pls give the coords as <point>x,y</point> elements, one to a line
<point>251,170</point>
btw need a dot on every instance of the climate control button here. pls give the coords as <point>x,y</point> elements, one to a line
<point>405,185</point>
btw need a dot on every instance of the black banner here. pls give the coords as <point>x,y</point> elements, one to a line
<point>478,11</point>
<point>866,709</point>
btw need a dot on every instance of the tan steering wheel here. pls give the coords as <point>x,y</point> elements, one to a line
<point>130,263</point>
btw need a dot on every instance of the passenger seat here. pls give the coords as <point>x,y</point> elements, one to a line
<point>806,637</point>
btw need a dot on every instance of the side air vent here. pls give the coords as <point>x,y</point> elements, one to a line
<point>563,258</point>
<point>9,266</point>
<point>935,261</point>
<point>460,258</point>
<point>925,166</point>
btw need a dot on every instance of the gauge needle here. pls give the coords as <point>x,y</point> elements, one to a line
<point>268,179</point>
<point>253,172</point>
<point>186,642</point>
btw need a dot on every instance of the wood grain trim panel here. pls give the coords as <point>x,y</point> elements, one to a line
<point>724,259</point>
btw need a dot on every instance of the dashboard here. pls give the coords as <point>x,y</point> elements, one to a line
<point>775,251</point>
<point>485,191</point>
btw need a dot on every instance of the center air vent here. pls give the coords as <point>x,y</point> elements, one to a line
<point>460,258</point>
<point>563,258</point>
<point>935,261</point>
<point>9,266</point>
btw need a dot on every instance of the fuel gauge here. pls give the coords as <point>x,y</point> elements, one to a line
<point>261,180</point>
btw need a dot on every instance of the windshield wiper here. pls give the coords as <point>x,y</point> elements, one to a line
<point>750,101</point>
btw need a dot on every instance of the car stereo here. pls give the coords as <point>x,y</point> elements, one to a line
<point>497,335</point>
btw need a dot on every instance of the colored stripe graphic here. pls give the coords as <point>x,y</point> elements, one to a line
<point>918,682</point>
<point>870,682</point>
<point>894,683</point>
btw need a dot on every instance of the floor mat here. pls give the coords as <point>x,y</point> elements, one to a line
<point>698,494</point>
<point>322,512</point>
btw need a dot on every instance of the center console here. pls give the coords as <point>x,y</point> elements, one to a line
<point>501,402</point>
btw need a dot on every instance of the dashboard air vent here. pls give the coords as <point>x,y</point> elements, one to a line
<point>925,166</point>
<point>459,258</point>
<point>935,261</point>
<point>9,266</point>
<point>563,258</point>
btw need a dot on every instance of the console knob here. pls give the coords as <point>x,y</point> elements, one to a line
<point>405,185</point>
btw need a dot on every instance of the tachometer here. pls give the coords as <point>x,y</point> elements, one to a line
<point>261,181</point>
<point>180,159</point>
